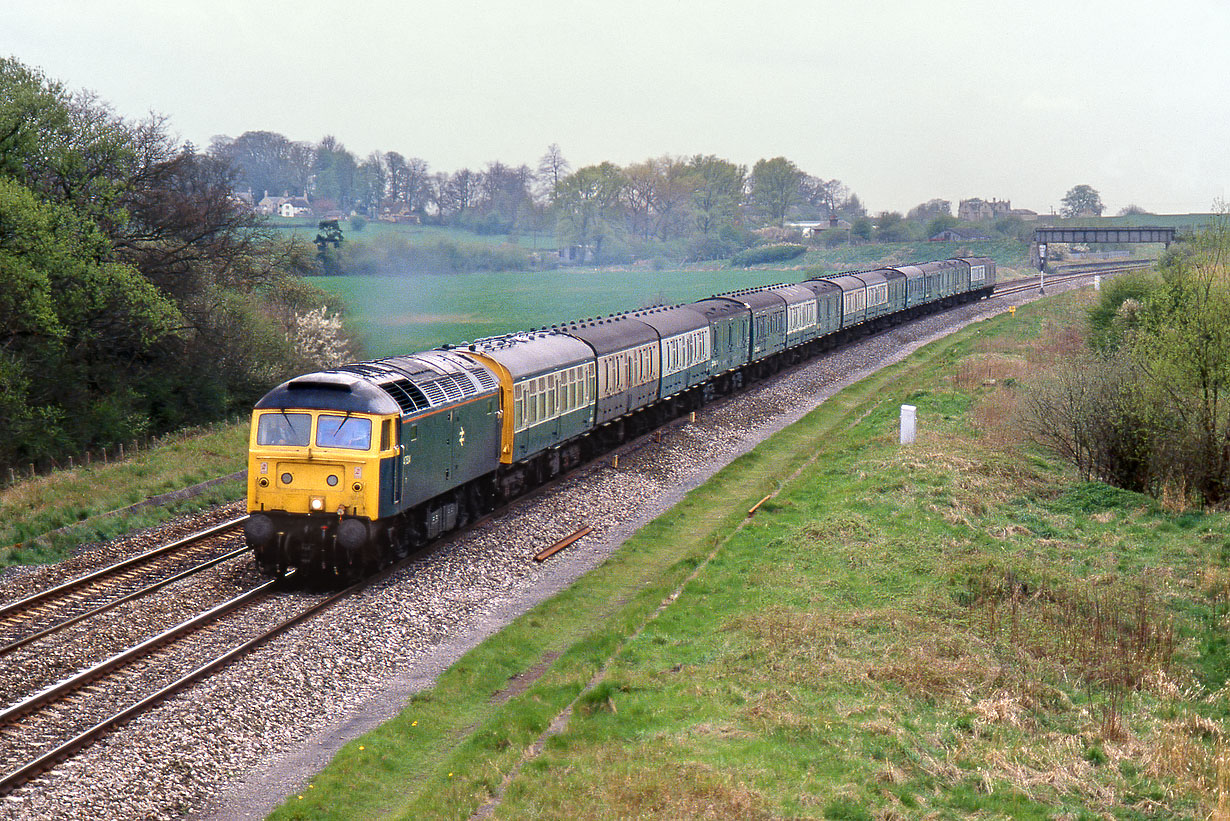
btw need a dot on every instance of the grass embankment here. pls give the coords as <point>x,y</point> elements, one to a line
<point>942,630</point>
<point>73,503</point>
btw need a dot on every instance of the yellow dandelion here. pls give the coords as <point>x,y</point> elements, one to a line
<point>361,747</point>
<point>414,724</point>
<point>450,775</point>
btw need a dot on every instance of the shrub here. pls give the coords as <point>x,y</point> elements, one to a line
<point>767,253</point>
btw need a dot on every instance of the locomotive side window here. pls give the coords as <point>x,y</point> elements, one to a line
<point>284,429</point>
<point>350,432</point>
<point>386,434</point>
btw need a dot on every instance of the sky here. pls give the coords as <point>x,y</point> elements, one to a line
<point>902,101</point>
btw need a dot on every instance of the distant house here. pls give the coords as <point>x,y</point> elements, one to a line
<point>269,205</point>
<point>284,206</point>
<point>979,210</point>
<point>953,235</point>
<point>295,207</point>
<point>392,211</point>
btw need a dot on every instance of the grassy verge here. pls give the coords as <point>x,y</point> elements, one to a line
<point>41,519</point>
<point>950,629</point>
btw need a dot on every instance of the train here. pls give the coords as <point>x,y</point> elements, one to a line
<point>352,468</point>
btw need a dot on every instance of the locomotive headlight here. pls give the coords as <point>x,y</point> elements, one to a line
<point>331,481</point>
<point>318,503</point>
<point>287,478</point>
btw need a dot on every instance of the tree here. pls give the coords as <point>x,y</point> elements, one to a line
<point>775,187</point>
<point>371,183</point>
<point>853,208</point>
<point>265,162</point>
<point>1082,201</point>
<point>861,228</point>
<point>504,197</point>
<point>940,223</point>
<point>335,172</point>
<point>718,192</point>
<point>892,227</point>
<point>130,273</point>
<point>586,203</point>
<point>552,167</point>
<point>929,210</point>
<point>824,195</point>
<point>1132,210</point>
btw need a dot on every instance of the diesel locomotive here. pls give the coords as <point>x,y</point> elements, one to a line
<point>352,468</point>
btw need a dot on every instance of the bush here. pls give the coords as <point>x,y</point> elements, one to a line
<point>767,253</point>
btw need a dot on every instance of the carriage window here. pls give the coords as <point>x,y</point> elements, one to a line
<point>351,432</point>
<point>286,429</point>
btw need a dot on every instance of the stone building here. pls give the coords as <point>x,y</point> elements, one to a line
<point>979,210</point>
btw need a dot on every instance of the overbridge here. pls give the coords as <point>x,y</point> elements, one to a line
<point>1042,236</point>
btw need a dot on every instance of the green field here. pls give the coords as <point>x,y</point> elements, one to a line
<point>307,228</point>
<point>414,312</point>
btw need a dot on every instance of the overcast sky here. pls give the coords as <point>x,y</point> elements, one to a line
<point>902,101</point>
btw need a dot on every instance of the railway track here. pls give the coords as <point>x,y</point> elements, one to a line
<point>49,726</point>
<point>1022,285</point>
<point>49,611</point>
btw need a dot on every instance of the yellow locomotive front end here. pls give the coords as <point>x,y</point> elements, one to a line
<point>314,485</point>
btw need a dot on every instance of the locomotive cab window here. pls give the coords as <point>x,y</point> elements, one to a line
<point>284,429</point>
<point>386,434</point>
<point>350,432</point>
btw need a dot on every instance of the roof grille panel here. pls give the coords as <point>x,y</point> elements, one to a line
<point>435,395</point>
<point>409,397</point>
<point>485,380</point>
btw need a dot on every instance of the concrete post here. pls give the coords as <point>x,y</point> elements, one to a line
<point>1097,282</point>
<point>908,418</point>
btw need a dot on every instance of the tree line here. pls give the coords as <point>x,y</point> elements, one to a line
<point>700,206</point>
<point>685,208</point>
<point>136,295</point>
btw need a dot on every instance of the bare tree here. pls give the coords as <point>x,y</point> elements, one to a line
<point>552,167</point>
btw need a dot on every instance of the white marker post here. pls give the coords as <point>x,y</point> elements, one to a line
<point>1097,282</point>
<point>908,417</point>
